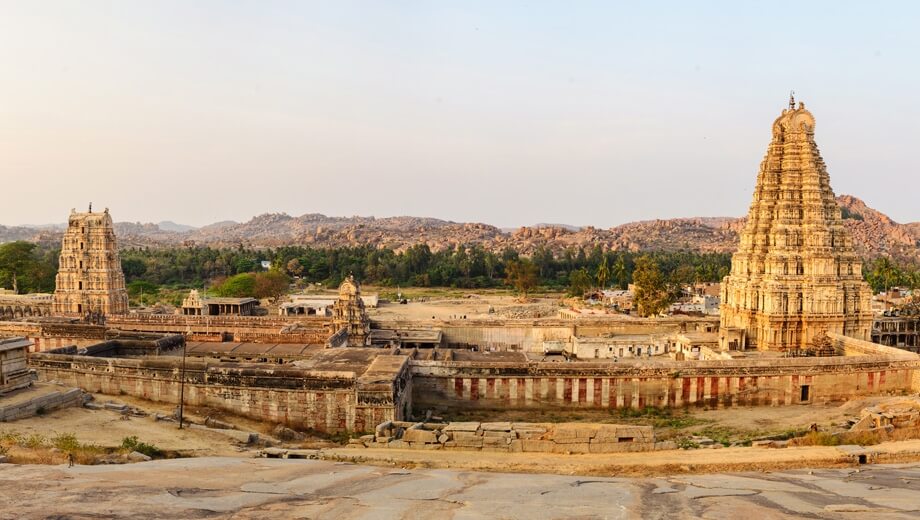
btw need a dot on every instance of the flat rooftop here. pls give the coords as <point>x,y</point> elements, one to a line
<point>14,343</point>
<point>250,350</point>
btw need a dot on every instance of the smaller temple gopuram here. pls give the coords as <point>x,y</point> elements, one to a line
<point>796,273</point>
<point>90,283</point>
<point>348,312</point>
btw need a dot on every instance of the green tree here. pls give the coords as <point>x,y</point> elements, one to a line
<point>237,286</point>
<point>603,274</point>
<point>294,268</point>
<point>620,272</point>
<point>133,268</point>
<point>271,284</point>
<point>26,268</point>
<point>652,295</point>
<point>522,275</point>
<point>579,282</point>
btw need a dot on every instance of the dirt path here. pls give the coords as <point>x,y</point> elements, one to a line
<point>628,464</point>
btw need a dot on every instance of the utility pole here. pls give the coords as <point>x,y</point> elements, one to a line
<point>182,381</point>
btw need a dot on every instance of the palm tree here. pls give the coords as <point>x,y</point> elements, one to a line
<point>620,272</point>
<point>603,274</point>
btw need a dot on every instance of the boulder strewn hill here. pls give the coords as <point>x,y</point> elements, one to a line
<point>874,233</point>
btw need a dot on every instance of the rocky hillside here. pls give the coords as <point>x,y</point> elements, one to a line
<point>874,233</point>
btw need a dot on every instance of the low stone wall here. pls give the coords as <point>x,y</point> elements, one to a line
<point>44,403</point>
<point>514,437</point>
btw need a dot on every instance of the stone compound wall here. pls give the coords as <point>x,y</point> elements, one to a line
<point>256,329</point>
<point>467,385</point>
<point>513,437</point>
<point>529,335</point>
<point>47,336</point>
<point>325,401</point>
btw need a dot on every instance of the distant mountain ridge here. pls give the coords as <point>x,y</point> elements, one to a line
<point>874,233</point>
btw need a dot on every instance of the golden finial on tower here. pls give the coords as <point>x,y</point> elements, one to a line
<point>791,100</point>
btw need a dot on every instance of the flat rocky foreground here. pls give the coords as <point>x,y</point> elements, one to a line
<point>226,487</point>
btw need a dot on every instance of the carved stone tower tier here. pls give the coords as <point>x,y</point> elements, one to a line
<point>348,312</point>
<point>90,282</point>
<point>795,272</point>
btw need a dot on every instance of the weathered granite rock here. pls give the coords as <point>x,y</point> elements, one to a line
<point>136,456</point>
<point>420,436</point>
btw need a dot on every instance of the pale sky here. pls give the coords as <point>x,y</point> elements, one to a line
<point>509,113</point>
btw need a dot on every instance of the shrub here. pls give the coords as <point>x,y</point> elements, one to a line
<point>66,442</point>
<point>34,441</point>
<point>132,444</point>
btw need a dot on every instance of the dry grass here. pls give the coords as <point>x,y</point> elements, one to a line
<point>860,438</point>
<point>38,449</point>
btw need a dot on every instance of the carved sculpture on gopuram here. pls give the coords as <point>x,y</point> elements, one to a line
<point>795,272</point>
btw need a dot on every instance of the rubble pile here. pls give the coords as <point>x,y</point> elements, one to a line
<point>511,437</point>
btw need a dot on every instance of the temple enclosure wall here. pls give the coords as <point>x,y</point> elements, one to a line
<point>51,335</point>
<point>726,383</point>
<point>528,335</point>
<point>261,329</point>
<point>325,401</point>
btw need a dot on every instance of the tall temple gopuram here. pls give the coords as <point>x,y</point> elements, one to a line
<point>795,273</point>
<point>90,282</point>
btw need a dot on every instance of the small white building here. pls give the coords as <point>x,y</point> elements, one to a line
<point>619,346</point>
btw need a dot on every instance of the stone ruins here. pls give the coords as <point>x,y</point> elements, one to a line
<point>794,330</point>
<point>796,271</point>
<point>90,283</point>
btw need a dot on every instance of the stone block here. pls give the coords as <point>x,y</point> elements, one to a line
<point>466,435</point>
<point>528,445</point>
<point>461,427</point>
<point>443,438</point>
<point>496,426</point>
<point>420,436</point>
<point>575,431</point>
<point>117,407</point>
<point>468,443</point>
<point>516,446</point>
<point>274,453</point>
<point>608,447</point>
<point>495,441</point>
<point>573,448</point>
<point>666,445</point>
<point>397,444</point>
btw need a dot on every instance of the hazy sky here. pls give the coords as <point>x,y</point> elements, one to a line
<point>503,112</point>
